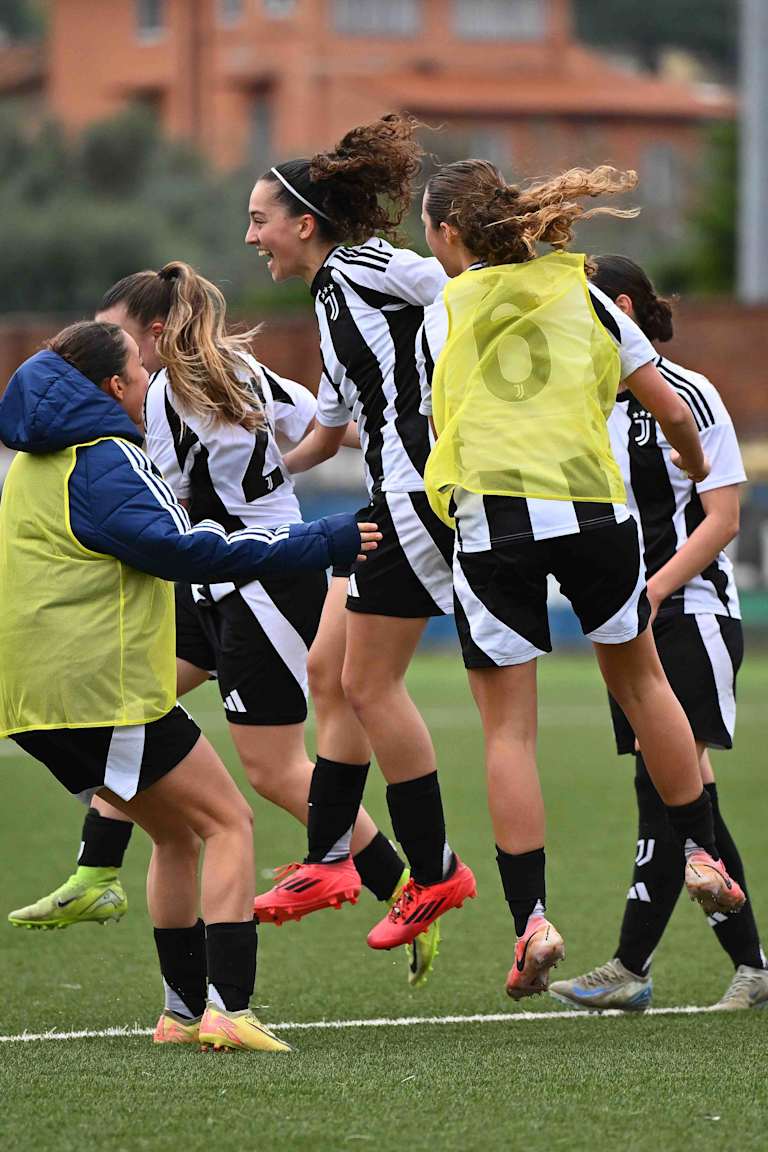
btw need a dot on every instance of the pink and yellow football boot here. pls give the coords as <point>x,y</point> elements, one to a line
<point>305,888</point>
<point>225,1031</point>
<point>173,1029</point>
<point>539,949</point>
<point>709,884</point>
<point>418,906</point>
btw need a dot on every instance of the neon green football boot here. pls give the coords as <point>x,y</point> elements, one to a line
<point>91,894</point>
<point>423,949</point>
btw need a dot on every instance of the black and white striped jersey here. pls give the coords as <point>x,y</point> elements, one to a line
<point>665,503</point>
<point>482,521</point>
<point>369,302</point>
<point>223,471</point>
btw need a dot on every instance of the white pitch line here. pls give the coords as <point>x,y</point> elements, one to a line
<point>379,1022</point>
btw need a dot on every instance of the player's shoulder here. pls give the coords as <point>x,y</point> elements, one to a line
<point>373,254</point>
<point>158,393</point>
<point>697,390</point>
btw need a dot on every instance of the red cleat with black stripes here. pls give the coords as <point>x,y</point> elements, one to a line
<point>419,905</point>
<point>305,888</point>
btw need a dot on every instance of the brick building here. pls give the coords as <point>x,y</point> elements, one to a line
<point>249,81</point>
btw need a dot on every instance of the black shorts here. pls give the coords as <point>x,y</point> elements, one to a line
<point>255,641</point>
<point>125,759</point>
<point>501,595</point>
<point>701,655</point>
<point>409,574</point>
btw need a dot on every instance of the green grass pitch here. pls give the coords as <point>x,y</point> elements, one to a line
<point>634,1085</point>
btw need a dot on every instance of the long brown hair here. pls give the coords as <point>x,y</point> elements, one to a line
<point>620,276</point>
<point>501,223</point>
<point>362,187</point>
<point>204,364</point>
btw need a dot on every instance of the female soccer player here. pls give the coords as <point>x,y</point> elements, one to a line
<point>90,533</point>
<point>323,220</point>
<point>697,628</point>
<point>530,361</point>
<point>213,414</point>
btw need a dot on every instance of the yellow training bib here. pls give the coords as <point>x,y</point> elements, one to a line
<point>85,641</point>
<point>523,388</point>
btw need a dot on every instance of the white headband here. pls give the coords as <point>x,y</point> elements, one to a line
<point>312,207</point>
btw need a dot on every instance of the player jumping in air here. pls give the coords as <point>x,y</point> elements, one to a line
<point>530,359</point>
<point>322,220</point>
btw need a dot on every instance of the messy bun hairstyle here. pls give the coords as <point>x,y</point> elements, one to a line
<point>362,187</point>
<point>502,223</point>
<point>620,276</point>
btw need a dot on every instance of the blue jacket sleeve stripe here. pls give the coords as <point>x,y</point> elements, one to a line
<point>118,506</point>
<point>142,466</point>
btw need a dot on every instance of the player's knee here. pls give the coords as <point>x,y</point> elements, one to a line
<point>325,688</point>
<point>361,690</point>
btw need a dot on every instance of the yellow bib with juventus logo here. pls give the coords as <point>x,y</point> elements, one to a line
<point>85,640</point>
<point>523,388</point>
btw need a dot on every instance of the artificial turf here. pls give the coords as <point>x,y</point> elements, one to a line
<point>661,1082</point>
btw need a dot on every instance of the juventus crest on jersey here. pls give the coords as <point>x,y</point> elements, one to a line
<point>369,303</point>
<point>665,503</point>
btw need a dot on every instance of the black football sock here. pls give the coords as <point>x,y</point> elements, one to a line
<point>335,795</point>
<point>657,879</point>
<point>416,810</point>
<point>694,825</point>
<point>737,933</point>
<point>524,883</point>
<point>231,954</point>
<point>104,841</point>
<point>182,963</point>
<point>380,866</point>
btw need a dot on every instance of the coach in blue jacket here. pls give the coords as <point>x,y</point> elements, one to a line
<point>89,535</point>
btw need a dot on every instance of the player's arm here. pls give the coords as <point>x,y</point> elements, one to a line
<point>321,444</point>
<point>675,418</point>
<point>120,507</point>
<point>719,526</point>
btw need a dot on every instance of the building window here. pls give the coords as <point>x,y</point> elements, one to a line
<point>500,19</point>
<point>377,18</point>
<point>260,129</point>
<point>279,9</point>
<point>230,11</point>
<point>150,18</point>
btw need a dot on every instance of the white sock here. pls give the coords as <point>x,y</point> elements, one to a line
<point>341,849</point>
<point>538,912</point>
<point>174,1002</point>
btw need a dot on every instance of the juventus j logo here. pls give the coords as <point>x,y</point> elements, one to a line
<point>641,426</point>
<point>644,852</point>
<point>329,302</point>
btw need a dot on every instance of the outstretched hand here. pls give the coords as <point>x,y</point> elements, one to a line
<point>369,537</point>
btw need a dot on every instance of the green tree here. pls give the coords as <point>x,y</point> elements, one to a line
<point>77,215</point>
<point>21,19</point>
<point>707,264</point>
<point>708,28</point>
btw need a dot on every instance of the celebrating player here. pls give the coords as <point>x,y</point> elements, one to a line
<point>90,533</point>
<point>529,363</point>
<point>322,220</point>
<point>684,527</point>
<point>212,417</point>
